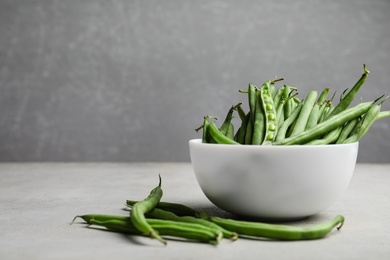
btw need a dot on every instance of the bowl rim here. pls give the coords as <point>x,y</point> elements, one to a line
<point>198,141</point>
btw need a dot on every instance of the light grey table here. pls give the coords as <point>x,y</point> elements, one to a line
<point>39,200</point>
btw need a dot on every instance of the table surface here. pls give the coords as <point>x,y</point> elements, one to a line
<point>39,200</point>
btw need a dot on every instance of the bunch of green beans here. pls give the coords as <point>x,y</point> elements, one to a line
<point>276,116</point>
<point>163,220</point>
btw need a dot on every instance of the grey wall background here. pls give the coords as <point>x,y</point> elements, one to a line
<point>131,80</point>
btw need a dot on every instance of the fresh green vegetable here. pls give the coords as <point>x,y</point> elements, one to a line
<point>278,117</point>
<point>140,208</point>
<point>165,219</point>
<point>280,232</point>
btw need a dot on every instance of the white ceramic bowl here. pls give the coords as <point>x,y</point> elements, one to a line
<point>273,182</point>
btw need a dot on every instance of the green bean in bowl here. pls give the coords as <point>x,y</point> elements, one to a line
<point>276,116</point>
<point>289,158</point>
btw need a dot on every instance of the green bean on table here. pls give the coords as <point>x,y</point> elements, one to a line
<point>277,231</point>
<point>140,208</point>
<point>198,225</point>
<point>164,227</point>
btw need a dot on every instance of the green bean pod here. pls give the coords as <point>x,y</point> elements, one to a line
<point>329,111</point>
<point>279,232</point>
<point>278,97</point>
<point>101,217</point>
<point>328,125</point>
<point>188,231</point>
<point>260,121</point>
<point>313,117</point>
<point>227,127</point>
<point>167,215</point>
<point>323,96</point>
<point>219,137</point>
<point>205,134</point>
<point>280,114</point>
<point>230,131</point>
<point>305,113</point>
<point>368,120</point>
<point>348,98</point>
<point>329,138</point>
<point>241,112</point>
<point>242,130</point>
<point>282,130</point>
<point>249,130</point>
<point>269,112</point>
<point>324,106</point>
<point>176,208</point>
<point>139,210</point>
<point>252,101</point>
<point>347,129</point>
<point>351,139</point>
<point>383,114</point>
<point>227,122</point>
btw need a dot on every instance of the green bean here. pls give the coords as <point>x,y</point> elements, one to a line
<point>342,96</point>
<point>348,98</point>
<point>287,123</point>
<point>116,225</point>
<point>272,90</point>
<point>278,97</point>
<point>280,113</point>
<point>288,107</point>
<point>219,137</point>
<point>176,208</point>
<point>100,217</point>
<point>268,106</point>
<point>329,111</point>
<point>166,228</point>
<point>167,215</point>
<point>323,114</point>
<point>351,139</point>
<point>285,96</point>
<point>328,138</point>
<point>313,117</point>
<point>305,113</point>
<point>296,99</point>
<point>323,96</point>
<point>230,131</point>
<point>242,130</point>
<point>252,100</point>
<point>347,129</point>
<point>139,209</point>
<point>260,121</point>
<point>328,125</point>
<point>205,134</point>
<point>368,120</point>
<point>227,125</point>
<point>249,130</point>
<point>279,232</point>
<point>383,114</point>
<point>241,112</point>
<point>187,230</point>
<point>322,111</point>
